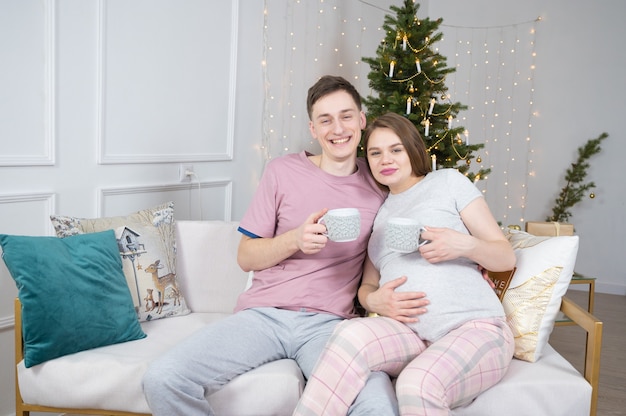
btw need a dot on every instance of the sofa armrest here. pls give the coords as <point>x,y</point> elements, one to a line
<point>19,346</point>
<point>593,349</point>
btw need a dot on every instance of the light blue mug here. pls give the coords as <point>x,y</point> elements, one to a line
<point>342,224</point>
<point>404,235</point>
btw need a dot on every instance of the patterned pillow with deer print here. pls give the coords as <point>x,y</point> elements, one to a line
<point>147,244</point>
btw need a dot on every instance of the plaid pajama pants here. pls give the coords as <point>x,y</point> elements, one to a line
<point>432,378</point>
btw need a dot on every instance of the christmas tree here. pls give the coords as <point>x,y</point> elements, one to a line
<point>409,77</point>
<point>575,187</point>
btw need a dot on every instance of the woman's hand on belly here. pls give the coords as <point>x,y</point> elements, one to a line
<point>401,306</point>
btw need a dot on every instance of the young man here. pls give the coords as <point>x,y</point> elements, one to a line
<point>304,284</point>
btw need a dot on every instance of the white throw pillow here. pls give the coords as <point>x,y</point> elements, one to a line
<point>545,266</point>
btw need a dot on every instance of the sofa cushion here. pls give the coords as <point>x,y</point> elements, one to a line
<point>73,293</point>
<point>209,248</point>
<point>267,390</point>
<point>544,269</point>
<point>147,246</point>
<point>272,389</point>
<point>550,386</point>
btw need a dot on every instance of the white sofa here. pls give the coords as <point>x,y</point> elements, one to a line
<point>107,380</point>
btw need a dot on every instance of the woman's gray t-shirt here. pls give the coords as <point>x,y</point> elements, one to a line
<point>456,289</point>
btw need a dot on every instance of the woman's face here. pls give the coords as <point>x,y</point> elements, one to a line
<point>389,161</point>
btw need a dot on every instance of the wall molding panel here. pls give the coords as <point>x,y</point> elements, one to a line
<point>185,110</point>
<point>7,322</point>
<point>15,209</point>
<point>204,200</point>
<point>27,130</point>
<point>38,205</point>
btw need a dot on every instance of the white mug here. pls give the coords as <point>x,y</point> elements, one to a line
<point>404,235</point>
<point>342,224</point>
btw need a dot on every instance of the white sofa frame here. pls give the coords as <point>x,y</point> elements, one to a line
<point>589,323</point>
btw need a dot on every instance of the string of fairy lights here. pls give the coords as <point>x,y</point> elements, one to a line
<point>495,65</point>
<point>495,77</point>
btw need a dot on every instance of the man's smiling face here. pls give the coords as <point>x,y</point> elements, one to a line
<point>336,124</point>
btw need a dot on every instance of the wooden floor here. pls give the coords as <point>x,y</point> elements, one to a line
<point>570,341</point>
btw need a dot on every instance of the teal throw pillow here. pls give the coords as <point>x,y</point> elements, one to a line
<point>73,293</point>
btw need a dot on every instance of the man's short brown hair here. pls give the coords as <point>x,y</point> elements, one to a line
<point>327,85</point>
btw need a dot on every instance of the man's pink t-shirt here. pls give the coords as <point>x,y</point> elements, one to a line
<point>291,189</point>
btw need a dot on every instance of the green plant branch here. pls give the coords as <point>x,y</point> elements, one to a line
<point>574,188</point>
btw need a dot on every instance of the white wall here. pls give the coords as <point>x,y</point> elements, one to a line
<point>95,120</point>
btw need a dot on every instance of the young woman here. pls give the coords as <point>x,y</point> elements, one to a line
<point>462,345</point>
